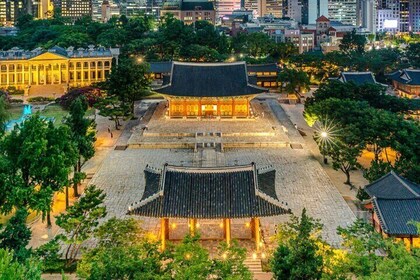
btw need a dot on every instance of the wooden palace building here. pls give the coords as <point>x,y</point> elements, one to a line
<point>209,90</point>
<point>211,193</point>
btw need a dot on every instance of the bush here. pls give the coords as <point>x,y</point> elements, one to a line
<point>40,99</point>
<point>92,95</point>
<point>15,91</point>
<point>16,101</point>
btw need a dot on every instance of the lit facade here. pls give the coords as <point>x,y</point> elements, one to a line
<point>55,67</point>
<point>414,16</point>
<point>190,12</point>
<point>209,90</point>
<point>74,9</point>
<point>344,11</point>
<point>406,83</point>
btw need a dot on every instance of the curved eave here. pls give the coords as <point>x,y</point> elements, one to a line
<point>251,90</point>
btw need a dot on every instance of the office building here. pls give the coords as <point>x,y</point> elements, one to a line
<point>226,7</point>
<point>343,11</point>
<point>366,16</point>
<point>313,9</point>
<point>414,16</point>
<point>190,12</point>
<point>74,9</point>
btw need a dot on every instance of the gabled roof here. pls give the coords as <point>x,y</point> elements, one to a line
<point>406,76</point>
<point>393,186</point>
<point>209,193</point>
<point>396,215</point>
<point>358,78</point>
<point>322,19</point>
<point>209,80</point>
<point>269,67</point>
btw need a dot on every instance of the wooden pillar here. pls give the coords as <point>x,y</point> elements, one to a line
<point>257,234</point>
<point>193,226</point>
<point>185,107</point>
<point>247,107</point>
<point>218,107</point>
<point>199,107</point>
<point>227,227</point>
<point>164,232</point>
<point>233,107</point>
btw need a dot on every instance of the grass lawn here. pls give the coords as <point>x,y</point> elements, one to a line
<point>15,112</point>
<point>56,112</point>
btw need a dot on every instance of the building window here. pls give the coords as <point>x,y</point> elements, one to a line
<point>86,64</point>
<point>106,63</point>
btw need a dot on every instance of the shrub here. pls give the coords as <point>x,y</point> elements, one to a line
<point>92,95</point>
<point>16,101</point>
<point>40,99</point>
<point>15,91</point>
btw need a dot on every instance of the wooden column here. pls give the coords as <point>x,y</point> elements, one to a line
<point>218,107</point>
<point>199,108</point>
<point>185,107</point>
<point>233,107</point>
<point>227,227</point>
<point>257,234</point>
<point>193,226</point>
<point>164,232</point>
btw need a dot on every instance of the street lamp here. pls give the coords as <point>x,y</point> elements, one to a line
<point>324,136</point>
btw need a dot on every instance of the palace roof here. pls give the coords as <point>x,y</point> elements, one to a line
<point>20,54</point>
<point>358,78</point>
<point>393,186</point>
<point>209,80</point>
<point>269,67</point>
<point>160,67</point>
<point>396,215</point>
<point>209,193</point>
<point>406,76</point>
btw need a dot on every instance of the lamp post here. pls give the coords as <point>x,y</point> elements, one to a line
<point>324,136</point>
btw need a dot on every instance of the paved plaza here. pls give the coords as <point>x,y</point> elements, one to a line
<point>300,179</point>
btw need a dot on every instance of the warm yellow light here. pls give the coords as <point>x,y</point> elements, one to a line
<point>254,256</point>
<point>221,225</point>
<point>263,256</point>
<point>324,134</point>
<point>224,256</point>
<point>187,256</point>
<point>173,226</point>
<point>140,59</point>
<point>197,225</point>
<point>247,225</point>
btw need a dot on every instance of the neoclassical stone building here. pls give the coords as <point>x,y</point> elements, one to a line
<point>55,69</point>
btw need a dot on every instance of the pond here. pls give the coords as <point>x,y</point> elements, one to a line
<point>26,113</point>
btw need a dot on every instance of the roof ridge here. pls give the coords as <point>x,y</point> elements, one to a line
<point>212,169</point>
<point>209,63</point>
<point>378,180</point>
<point>405,184</point>
<point>269,199</point>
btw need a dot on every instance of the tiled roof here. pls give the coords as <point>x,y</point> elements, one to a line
<point>271,67</point>
<point>160,67</point>
<point>396,215</point>
<point>220,192</point>
<point>322,18</point>
<point>406,76</point>
<point>209,80</point>
<point>393,186</point>
<point>358,78</point>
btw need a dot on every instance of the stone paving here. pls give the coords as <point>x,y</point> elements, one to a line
<point>300,180</point>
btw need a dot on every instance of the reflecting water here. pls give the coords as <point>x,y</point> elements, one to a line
<point>26,113</point>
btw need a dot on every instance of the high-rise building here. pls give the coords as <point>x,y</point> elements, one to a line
<point>414,16</point>
<point>265,7</point>
<point>10,11</point>
<point>366,15</point>
<point>74,9</point>
<point>293,9</point>
<point>313,9</point>
<point>404,15</point>
<point>344,11</point>
<point>387,20</point>
<point>226,7</point>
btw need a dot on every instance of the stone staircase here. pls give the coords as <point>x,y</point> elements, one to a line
<point>255,267</point>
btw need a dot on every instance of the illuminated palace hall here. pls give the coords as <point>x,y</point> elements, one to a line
<point>56,69</point>
<point>209,90</point>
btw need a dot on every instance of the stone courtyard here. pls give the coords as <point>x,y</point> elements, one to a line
<point>300,180</point>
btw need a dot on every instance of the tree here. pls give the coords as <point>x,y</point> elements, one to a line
<point>294,80</point>
<point>4,116</point>
<point>129,81</point>
<point>112,107</point>
<point>231,264</point>
<point>10,269</point>
<point>413,54</point>
<point>283,51</point>
<point>122,253</point>
<point>353,42</point>
<point>33,173</point>
<point>16,235</point>
<point>82,133</point>
<point>297,256</point>
<point>81,220</point>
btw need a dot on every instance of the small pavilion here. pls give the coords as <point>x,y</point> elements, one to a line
<point>222,193</point>
<point>209,90</point>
